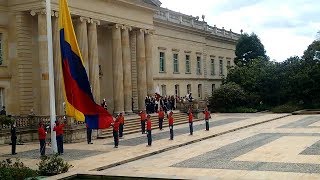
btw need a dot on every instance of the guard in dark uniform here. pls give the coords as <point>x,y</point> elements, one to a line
<point>3,111</point>
<point>171,120</point>
<point>149,136</point>
<point>190,121</point>
<point>13,138</point>
<point>116,132</point>
<point>89,134</point>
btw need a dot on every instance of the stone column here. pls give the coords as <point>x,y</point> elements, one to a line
<point>94,59</point>
<point>141,69</point>
<point>117,69</point>
<point>126,61</point>
<point>58,78</point>
<point>82,38</point>
<point>149,46</point>
<point>43,61</point>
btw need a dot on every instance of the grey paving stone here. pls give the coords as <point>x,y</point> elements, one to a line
<point>303,123</point>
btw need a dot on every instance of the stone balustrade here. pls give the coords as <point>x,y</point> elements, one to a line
<point>186,20</point>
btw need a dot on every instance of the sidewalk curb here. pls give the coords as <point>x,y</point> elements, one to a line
<point>183,144</point>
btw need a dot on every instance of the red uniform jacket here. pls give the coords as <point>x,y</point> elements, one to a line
<point>143,116</point>
<point>161,114</point>
<point>190,117</point>
<point>42,133</point>
<point>121,119</point>
<point>206,115</point>
<point>148,124</point>
<point>171,121</point>
<point>116,126</point>
<point>59,129</point>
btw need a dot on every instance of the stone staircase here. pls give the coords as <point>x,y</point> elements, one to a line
<point>133,125</point>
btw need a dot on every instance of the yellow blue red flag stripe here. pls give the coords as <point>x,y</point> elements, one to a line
<point>78,96</point>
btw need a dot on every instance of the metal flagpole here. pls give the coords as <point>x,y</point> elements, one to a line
<point>51,77</point>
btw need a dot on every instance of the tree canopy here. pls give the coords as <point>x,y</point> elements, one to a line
<point>249,47</point>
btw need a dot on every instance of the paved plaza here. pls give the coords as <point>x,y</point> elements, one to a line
<point>238,146</point>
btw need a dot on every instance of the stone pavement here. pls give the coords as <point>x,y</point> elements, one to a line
<point>101,156</point>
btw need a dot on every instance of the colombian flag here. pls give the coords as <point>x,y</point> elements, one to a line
<point>78,96</point>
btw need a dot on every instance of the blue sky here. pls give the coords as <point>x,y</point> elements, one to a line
<point>285,27</point>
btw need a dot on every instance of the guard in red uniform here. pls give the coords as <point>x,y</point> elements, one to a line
<point>59,136</point>
<point>190,121</point>
<point>207,116</point>
<point>121,122</point>
<point>143,118</point>
<point>116,125</point>
<point>161,117</point>
<point>149,130</point>
<point>42,138</point>
<point>171,120</point>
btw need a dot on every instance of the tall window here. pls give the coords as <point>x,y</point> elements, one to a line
<point>177,90</point>
<point>213,87</point>
<point>188,88</point>
<point>162,63</point>
<point>221,67</point>
<point>199,91</point>
<point>1,50</point>
<point>188,64</point>
<point>212,67</point>
<point>175,63</point>
<point>1,97</point>
<point>228,63</point>
<point>163,90</point>
<point>198,65</point>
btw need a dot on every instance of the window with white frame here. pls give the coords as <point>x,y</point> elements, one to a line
<point>1,48</point>
<point>175,63</point>
<point>198,65</point>
<point>2,97</point>
<point>162,61</point>
<point>221,67</point>
<point>188,66</point>
<point>199,91</point>
<point>188,88</point>
<point>177,90</point>
<point>212,67</point>
<point>163,90</point>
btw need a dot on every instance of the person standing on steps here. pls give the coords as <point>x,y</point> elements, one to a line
<point>149,136</point>
<point>121,126</point>
<point>190,121</point>
<point>171,120</point>
<point>207,116</point>
<point>42,138</point>
<point>116,125</point>
<point>143,118</point>
<point>161,117</point>
<point>13,138</point>
<point>58,128</point>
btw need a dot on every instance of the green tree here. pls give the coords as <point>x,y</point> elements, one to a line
<point>249,47</point>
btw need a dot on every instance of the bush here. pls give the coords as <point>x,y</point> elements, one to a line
<point>52,165</point>
<point>286,108</point>
<point>242,110</point>
<point>5,120</point>
<point>16,170</point>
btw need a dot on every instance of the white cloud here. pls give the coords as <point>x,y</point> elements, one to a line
<point>285,27</point>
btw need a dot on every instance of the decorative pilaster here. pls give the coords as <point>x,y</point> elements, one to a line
<point>57,65</point>
<point>126,61</point>
<point>141,69</point>
<point>82,38</point>
<point>149,65</point>
<point>117,69</point>
<point>94,59</point>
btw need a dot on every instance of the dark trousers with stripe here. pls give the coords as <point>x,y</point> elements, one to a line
<point>143,126</point>
<point>116,138</point>
<point>149,137</point>
<point>42,147</point>
<point>13,146</point>
<point>89,135</point>
<point>160,123</point>
<point>207,124</point>
<point>191,127</point>
<point>121,130</point>
<point>60,143</point>
<point>171,131</point>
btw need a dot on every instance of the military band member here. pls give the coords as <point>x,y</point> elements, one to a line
<point>42,138</point>
<point>161,117</point>
<point>116,125</point>
<point>207,116</point>
<point>190,121</point>
<point>121,126</point>
<point>143,118</point>
<point>149,136</point>
<point>171,120</point>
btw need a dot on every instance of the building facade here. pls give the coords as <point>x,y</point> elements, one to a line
<point>129,48</point>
